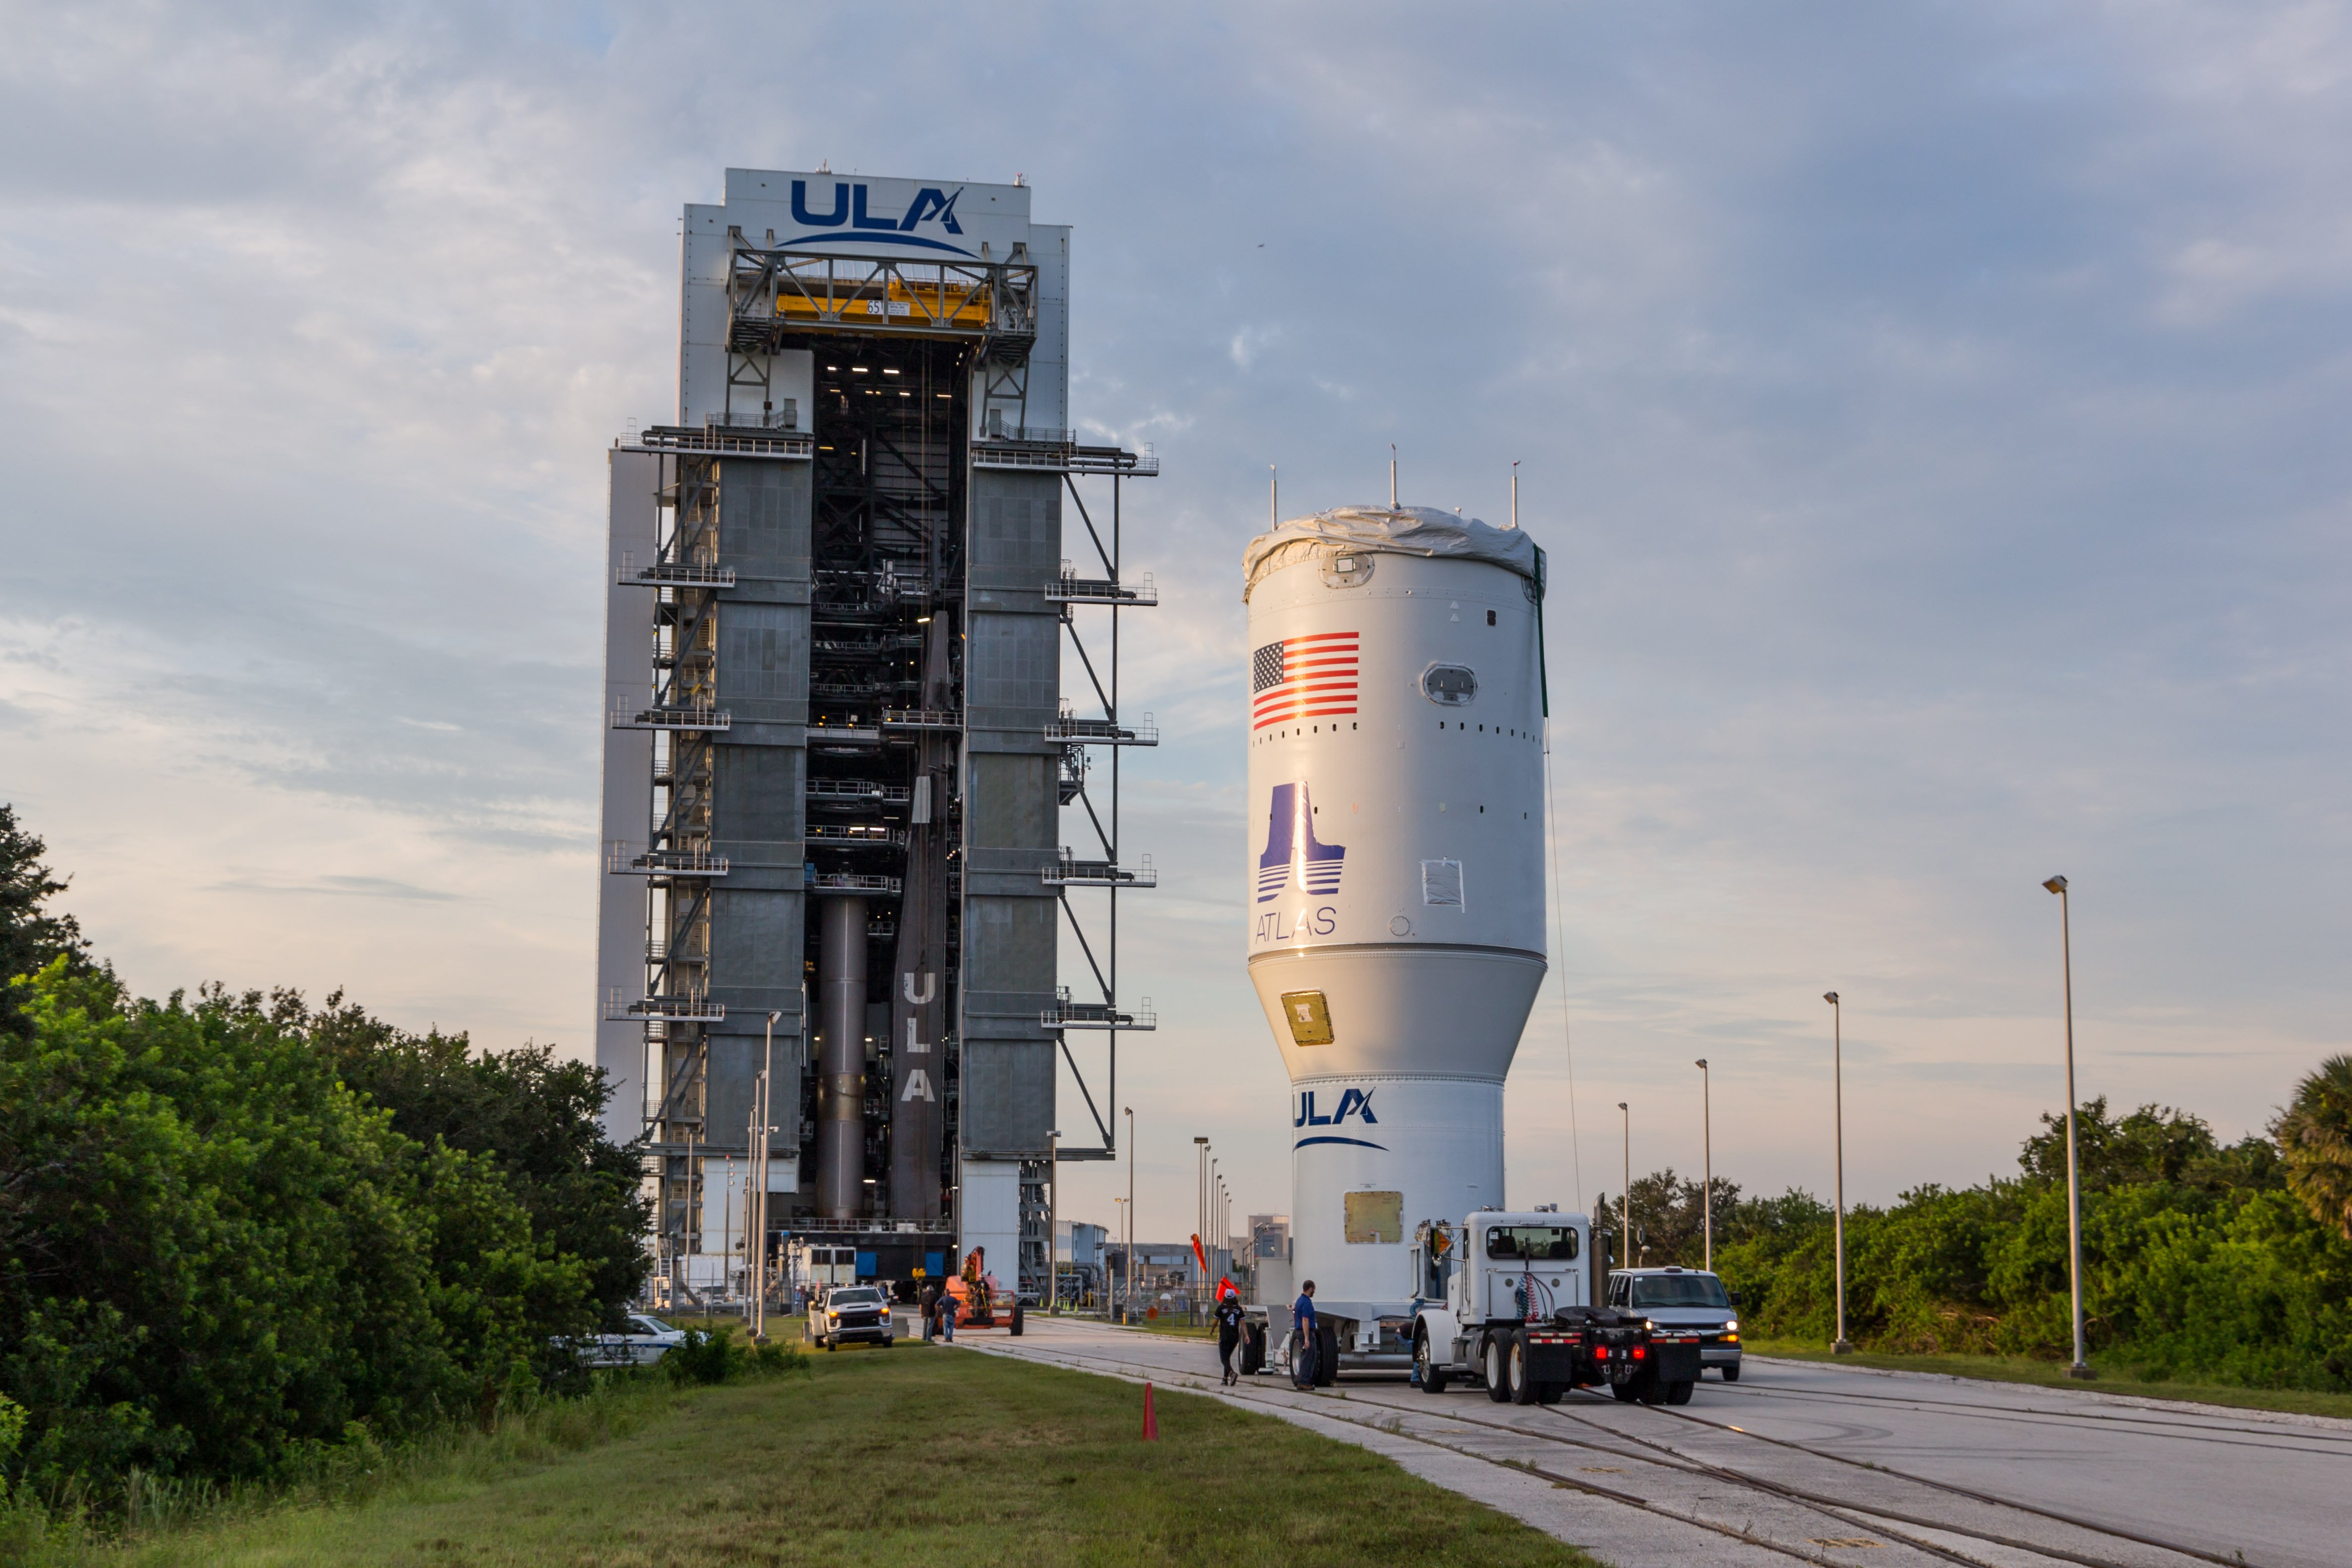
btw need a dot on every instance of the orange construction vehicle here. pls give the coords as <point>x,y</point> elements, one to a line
<point>978,1299</point>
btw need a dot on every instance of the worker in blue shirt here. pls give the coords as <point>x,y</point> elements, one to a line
<point>1303,1341</point>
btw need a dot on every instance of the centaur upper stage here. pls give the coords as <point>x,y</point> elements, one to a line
<point>1396,779</point>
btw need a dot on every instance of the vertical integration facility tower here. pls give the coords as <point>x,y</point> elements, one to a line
<point>1396,927</point>
<point>836,752</point>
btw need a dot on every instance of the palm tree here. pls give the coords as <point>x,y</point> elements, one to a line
<point>2315,1134</point>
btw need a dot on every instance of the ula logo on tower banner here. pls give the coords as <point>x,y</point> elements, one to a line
<point>849,211</point>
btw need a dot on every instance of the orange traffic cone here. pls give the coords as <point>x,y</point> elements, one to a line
<point>1151,1421</point>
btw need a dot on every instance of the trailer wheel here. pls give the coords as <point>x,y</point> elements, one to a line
<point>1433,1377</point>
<point>1649,1390</point>
<point>1326,1356</point>
<point>1494,1360</point>
<point>1549,1393</point>
<point>1523,1387</point>
<point>1679,1393</point>
<point>1625,1393</point>
<point>1016,1320</point>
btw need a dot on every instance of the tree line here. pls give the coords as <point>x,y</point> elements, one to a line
<point>238,1232</point>
<point>2204,1260</point>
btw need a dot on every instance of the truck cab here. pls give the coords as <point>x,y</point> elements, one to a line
<point>1493,1270</point>
<point>1690,1301</point>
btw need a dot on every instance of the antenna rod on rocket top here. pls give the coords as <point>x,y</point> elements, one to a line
<point>1392,475</point>
<point>1273,497</point>
<point>1514,494</point>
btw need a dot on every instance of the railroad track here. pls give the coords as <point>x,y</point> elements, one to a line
<point>2190,1426</point>
<point>1994,1532</point>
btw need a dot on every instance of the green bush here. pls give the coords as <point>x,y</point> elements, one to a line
<point>2199,1262</point>
<point>718,1356</point>
<point>216,1259</point>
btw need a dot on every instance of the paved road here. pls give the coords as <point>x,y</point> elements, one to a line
<point>1802,1461</point>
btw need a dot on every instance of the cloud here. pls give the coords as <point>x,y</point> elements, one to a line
<point>341,887</point>
<point>1933,415</point>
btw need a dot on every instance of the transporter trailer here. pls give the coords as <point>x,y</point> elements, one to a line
<point>1506,1309</point>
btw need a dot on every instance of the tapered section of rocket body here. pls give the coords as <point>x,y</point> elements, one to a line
<point>1396,897</point>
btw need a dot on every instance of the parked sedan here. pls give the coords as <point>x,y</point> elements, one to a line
<point>641,1343</point>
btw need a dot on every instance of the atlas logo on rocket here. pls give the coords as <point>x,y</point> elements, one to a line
<point>1291,850</point>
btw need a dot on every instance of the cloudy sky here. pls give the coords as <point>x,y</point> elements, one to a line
<point>1929,409</point>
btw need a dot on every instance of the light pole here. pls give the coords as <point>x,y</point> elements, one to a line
<point>755,1203</point>
<point>1111,1285</point>
<point>1837,1091</point>
<point>1052,1222</point>
<point>1130,1215</point>
<point>1707,1141</point>
<point>1625,1198</point>
<point>2074,1179</point>
<point>1200,1206</point>
<point>1209,1238</point>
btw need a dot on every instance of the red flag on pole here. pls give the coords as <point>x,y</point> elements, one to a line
<point>1202,1255</point>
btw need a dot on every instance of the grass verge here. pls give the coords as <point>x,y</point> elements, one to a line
<point>892,1457</point>
<point>2053,1374</point>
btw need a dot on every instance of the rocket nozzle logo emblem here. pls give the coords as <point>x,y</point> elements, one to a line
<point>1291,850</point>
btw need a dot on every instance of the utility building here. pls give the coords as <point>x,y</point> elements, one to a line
<point>837,756</point>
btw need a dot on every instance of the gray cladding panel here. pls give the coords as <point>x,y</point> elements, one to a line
<point>755,952</point>
<point>1012,675</point>
<point>1012,804</point>
<point>763,662</point>
<point>735,1064</point>
<point>763,520</point>
<point>1016,537</point>
<point>1008,1097</point>
<point>757,801</point>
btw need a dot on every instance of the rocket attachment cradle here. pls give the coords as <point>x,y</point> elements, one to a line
<point>1395,876</point>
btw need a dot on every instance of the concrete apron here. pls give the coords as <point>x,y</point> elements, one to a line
<point>1475,1461</point>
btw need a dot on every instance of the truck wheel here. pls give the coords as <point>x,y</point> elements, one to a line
<point>1433,1377</point>
<point>1016,1320</point>
<point>1327,1356</point>
<point>1649,1390</point>
<point>1494,1360</point>
<point>1549,1393</point>
<point>830,1344</point>
<point>1731,1373</point>
<point>1679,1393</point>
<point>1523,1387</point>
<point>1625,1393</point>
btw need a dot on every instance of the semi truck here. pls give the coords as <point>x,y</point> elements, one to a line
<point>1504,1304</point>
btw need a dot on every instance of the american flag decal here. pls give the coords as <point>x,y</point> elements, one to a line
<point>1303,678</point>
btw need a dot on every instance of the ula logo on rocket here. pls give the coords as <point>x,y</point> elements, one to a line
<point>1355,1102</point>
<point>1291,849</point>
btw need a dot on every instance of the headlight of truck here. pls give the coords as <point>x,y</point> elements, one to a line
<point>1732,1327</point>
